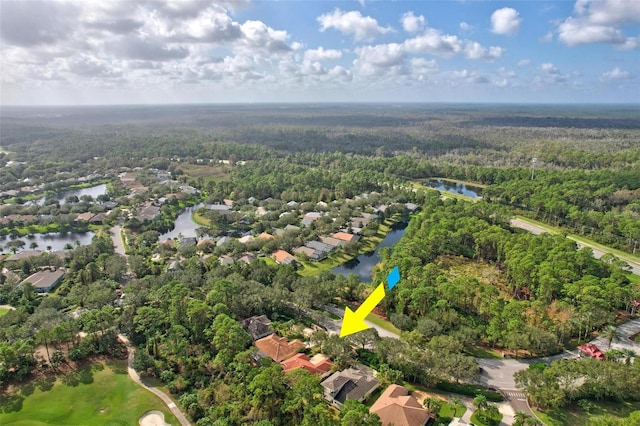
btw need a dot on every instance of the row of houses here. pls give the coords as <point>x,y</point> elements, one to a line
<point>394,406</point>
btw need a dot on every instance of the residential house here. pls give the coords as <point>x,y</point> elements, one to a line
<point>246,239</point>
<point>412,207</point>
<point>98,219</point>
<point>395,406</point>
<point>278,348</point>
<point>333,242</point>
<point>319,364</point>
<point>187,242</point>
<point>220,208</point>
<point>45,281</point>
<point>258,326</point>
<point>291,228</point>
<point>84,217</point>
<point>225,260</point>
<point>309,252</point>
<point>248,258</point>
<point>282,257</point>
<point>346,237</point>
<point>223,240</point>
<point>148,212</point>
<point>352,383</point>
<point>264,236</point>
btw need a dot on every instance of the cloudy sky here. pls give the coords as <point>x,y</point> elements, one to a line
<point>184,51</point>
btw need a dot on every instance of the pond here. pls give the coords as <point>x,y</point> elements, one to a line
<point>94,191</point>
<point>363,265</point>
<point>56,240</point>
<point>455,187</point>
<point>183,225</point>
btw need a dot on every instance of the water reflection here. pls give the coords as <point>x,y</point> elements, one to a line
<point>363,265</point>
<point>55,240</point>
<point>94,191</point>
<point>455,187</point>
<point>183,225</point>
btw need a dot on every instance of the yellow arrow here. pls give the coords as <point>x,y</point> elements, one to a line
<point>354,321</point>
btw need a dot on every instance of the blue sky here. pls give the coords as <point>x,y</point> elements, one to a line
<point>171,51</point>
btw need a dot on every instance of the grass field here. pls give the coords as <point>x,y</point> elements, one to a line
<point>4,311</point>
<point>574,415</point>
<point>97,394</point>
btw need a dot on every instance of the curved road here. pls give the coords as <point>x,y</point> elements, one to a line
<point>136,378</point>
<point>598,252</point>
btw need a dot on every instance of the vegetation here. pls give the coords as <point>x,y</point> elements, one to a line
<point>94,394</point>
<point>469,280</point>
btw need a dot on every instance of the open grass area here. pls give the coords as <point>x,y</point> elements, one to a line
<point>446,194</point>
<point>374,319</point>
<point>635,279</point>
<point>574,415</point>
<point>96,394</point>
<point>4,311</point>
<point>200,220</point>
<point>449,411</point>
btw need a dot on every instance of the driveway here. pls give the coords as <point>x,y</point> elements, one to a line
<point>338,323</point>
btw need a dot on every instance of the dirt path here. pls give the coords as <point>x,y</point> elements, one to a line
<point>8,307</point>
<point>136,378</point>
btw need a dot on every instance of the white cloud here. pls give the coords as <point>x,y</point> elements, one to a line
<point>505,21</point>
<point>320,54</point>
<point>412,23</point>
<point>362,28</point>
<point>599,22</point>
<point>548,74</point>
<point>382,55</point>
<point>524,62</point>
<point>434,43</point>
<point>466,27</point>
<point>615,74</point>
<point>474,50</point>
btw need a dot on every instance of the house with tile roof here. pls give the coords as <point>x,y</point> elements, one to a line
<point>319,364</point>
<point>278,348</point>
<point>344,236</point>
<point>282,257</point>
<point>396,407</point>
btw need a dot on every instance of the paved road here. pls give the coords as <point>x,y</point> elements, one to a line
<point>136,378</point>
<point>597,252</point>
<point>116,238</point>
<point>336,324</point>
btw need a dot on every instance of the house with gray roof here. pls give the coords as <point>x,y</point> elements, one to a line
<point>352,383</point>
<point>45,281</point>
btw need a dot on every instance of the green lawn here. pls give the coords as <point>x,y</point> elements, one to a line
<point>574,415</point>
<point>97,394</point>
<point>449,411</point>
<point>383,323</point>
<point>480,419</point>
<point>4,311</point>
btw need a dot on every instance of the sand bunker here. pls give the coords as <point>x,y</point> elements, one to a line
<point>153,418</point>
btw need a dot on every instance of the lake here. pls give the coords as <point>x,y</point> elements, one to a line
<point>94,191</point>
<point>455,187</point>
<point>363,265</point>
<point>183,225</point>
<point>57,240</point>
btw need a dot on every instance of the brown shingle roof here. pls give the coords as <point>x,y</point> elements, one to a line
<point>282,257</point>
<point>395,406</point>
<point>278,348</point>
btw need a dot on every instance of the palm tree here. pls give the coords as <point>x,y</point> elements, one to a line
<point>480,402</point>
<point>611,334</point>
<point>519,418</point>
<point>628,354</point>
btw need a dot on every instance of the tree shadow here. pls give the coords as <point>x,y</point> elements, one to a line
<point>46,383</point>
<point>86,376</point>
<point>117,366</point>
<point>28,388</point>
<point>11,403</point>
<point>71,379</point>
